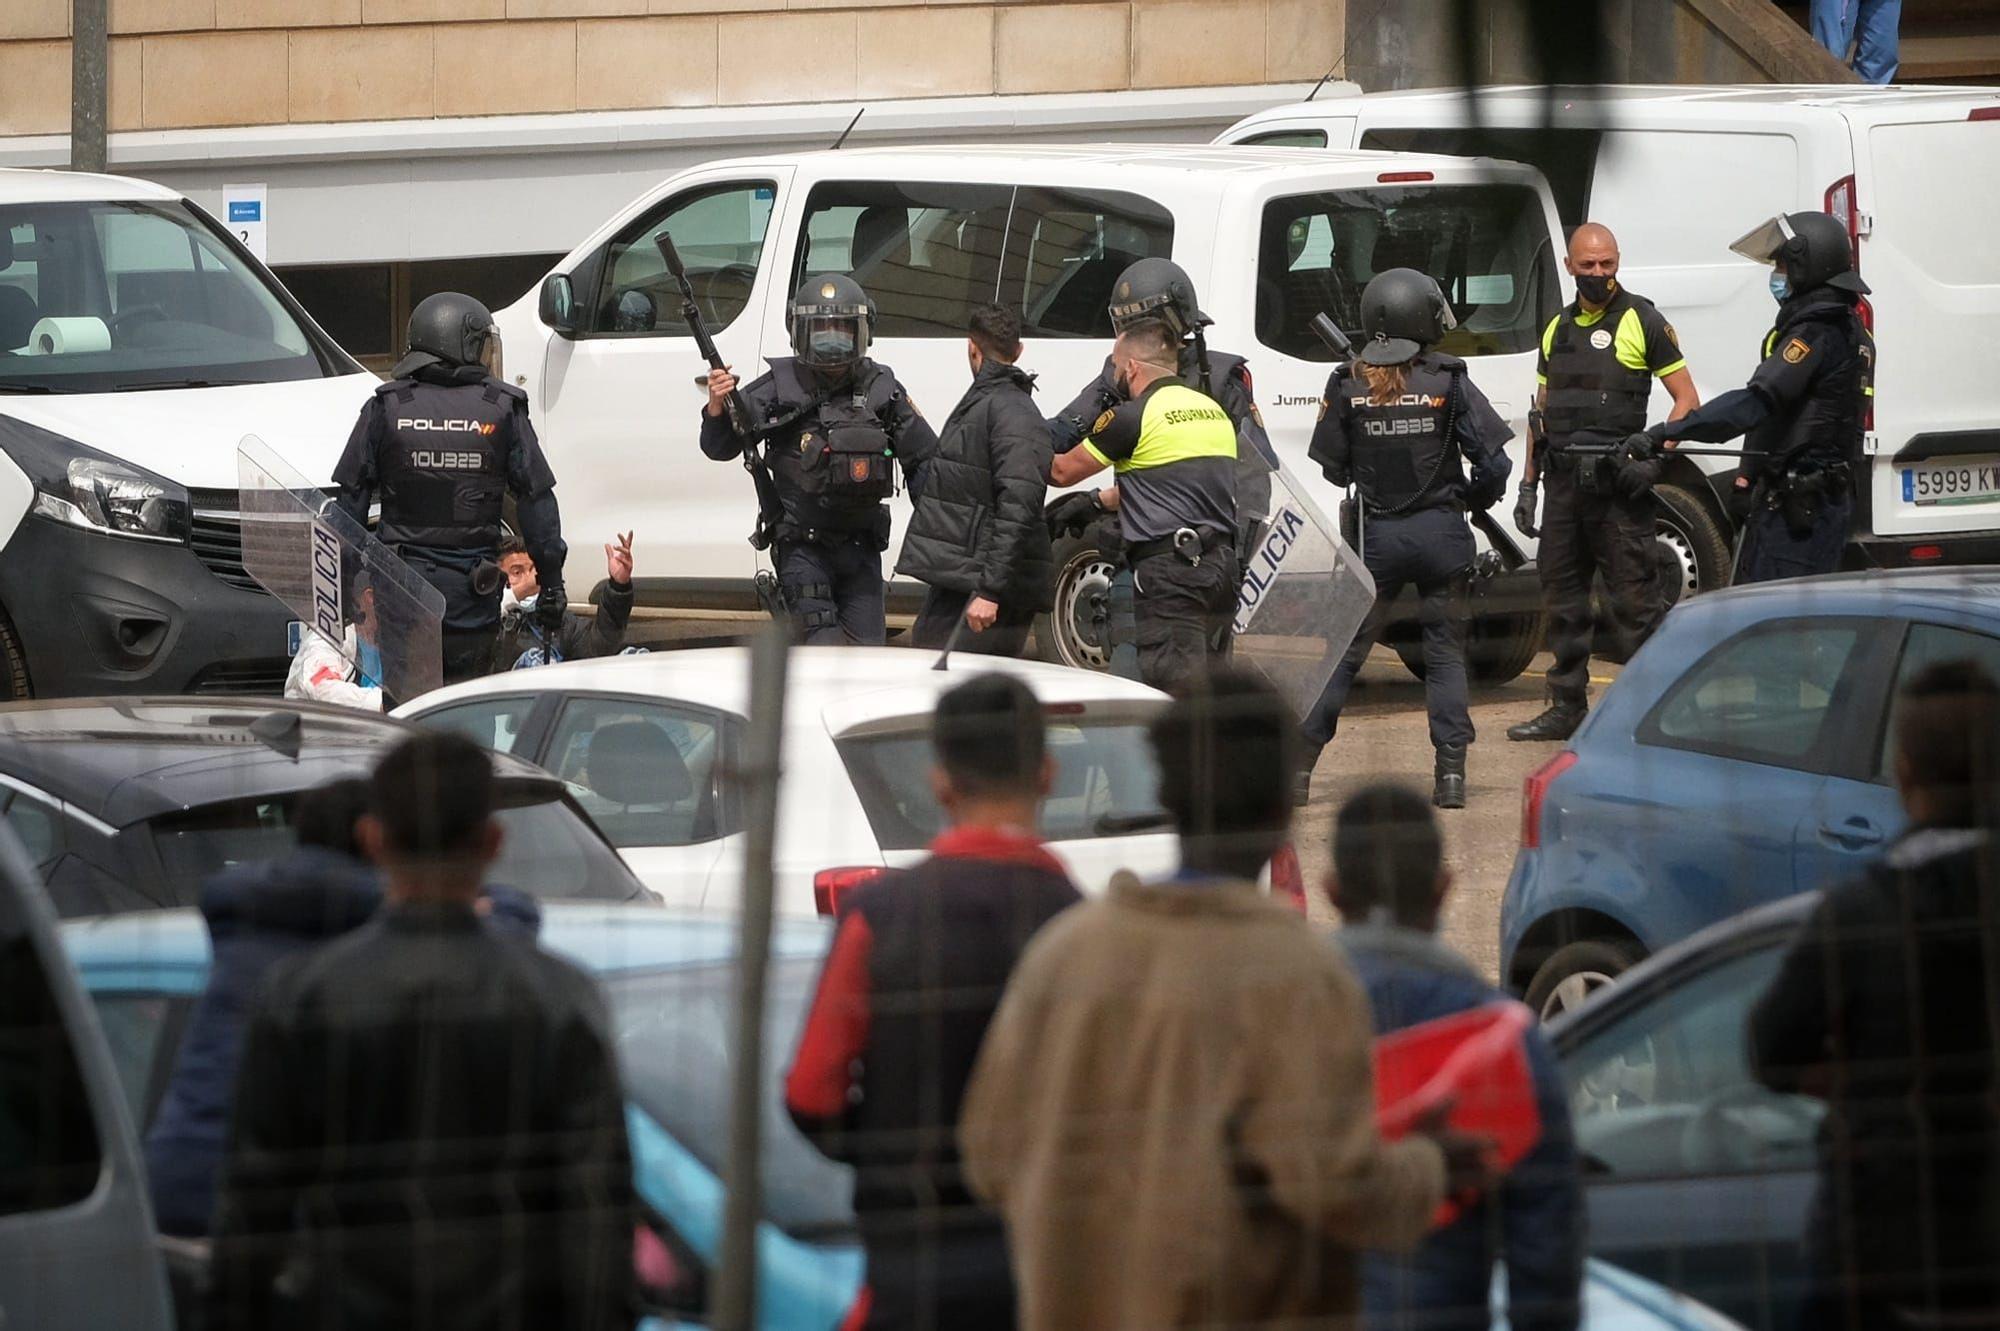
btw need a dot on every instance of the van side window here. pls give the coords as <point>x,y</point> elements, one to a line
<point>49,1153</point>
<point>1567,158</point>
<point>926,253</point>
<point>1487,245</point>
<point>1287,138</point>
<point>1065,248</point>
<point>719,231</point>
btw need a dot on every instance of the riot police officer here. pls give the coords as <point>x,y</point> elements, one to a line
<point>444,442</point>
<point>1174,452</point>
<point>1160,291</point>
<point>1400,424</point>
<point>838,426</point>
<point>1804,410</point>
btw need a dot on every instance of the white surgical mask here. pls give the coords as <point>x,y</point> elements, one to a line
<point>508,601</point>
<point>1781,287</point>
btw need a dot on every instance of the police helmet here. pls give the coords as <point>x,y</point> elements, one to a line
<point>1813,247</point>
<point>831,320</point>
<point>1402,311</point>
<point>1159,290</point>
<point>455,329</point>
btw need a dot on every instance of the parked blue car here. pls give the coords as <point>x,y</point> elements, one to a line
<point>669,979</point>
<point>1742,756</point>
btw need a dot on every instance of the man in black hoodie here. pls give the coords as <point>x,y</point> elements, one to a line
<point>1885,1008</point>
<point>977,536</point>
<point>429,1128</point>
<point>916,971</point>
<point>443,443</point>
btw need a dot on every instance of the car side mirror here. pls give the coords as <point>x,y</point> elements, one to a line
<point>635,313</point>
<point>558,304</point>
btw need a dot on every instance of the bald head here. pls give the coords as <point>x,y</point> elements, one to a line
<point>1593,261</point>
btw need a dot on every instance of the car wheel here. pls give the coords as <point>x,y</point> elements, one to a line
<point>13,664</point>
<point>1693,545</point>
<point>1498,648</point>
<point>1577,970</point>
<point>1078,631</point>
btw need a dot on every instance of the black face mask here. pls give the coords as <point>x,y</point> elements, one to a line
<point>1595,287</point>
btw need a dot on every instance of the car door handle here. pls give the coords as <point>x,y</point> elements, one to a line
<point>1853,834</point>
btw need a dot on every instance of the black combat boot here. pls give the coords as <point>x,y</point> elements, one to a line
<point>1559,722</point>
<point>1449,792</point>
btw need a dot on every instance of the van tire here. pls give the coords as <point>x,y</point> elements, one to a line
<point>1696,554</point>
<point>1073,634</point>
<point>14,685</point>
<point>1499,647</point>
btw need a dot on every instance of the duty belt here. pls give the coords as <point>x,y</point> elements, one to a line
<point>1210,541</point>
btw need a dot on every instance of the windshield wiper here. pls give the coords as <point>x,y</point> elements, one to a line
<point>1121,824</point>
<point>29,388</point>
<point>180,383</point>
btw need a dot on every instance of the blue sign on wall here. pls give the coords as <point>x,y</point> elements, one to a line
<point>246,210</point>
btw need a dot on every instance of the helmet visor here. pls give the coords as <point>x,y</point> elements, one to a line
<point>1766,241</point>
<point>489,354</point>
<point>830,336</point>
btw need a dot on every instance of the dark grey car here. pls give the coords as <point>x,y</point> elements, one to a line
<point>1697,1176</point>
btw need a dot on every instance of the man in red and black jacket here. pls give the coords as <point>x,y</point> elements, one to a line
<point>917,968</point>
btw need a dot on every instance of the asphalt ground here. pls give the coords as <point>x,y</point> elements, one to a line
<point>1384,736</point>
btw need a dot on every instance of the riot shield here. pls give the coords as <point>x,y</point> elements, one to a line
<point>1304,596</point>
<point>332,573</point>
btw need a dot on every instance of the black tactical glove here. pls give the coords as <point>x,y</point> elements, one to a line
<point>549,608</point>
<point>1634,479</point>
<point>1742,500</point>
<point>1485,490</point>
<point>1070,514</point>
<point>1524,510</point>
<point>1643,446</point>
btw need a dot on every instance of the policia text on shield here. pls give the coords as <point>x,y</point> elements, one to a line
<point>444,442</point>
<point>838,426</point>
<point>1598,361</point>
<point>1805,409</point>
<point>1174,451</point>
<point>1399,424</point>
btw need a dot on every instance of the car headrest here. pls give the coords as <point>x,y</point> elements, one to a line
<point>1404,248</point>
<point>635,762</point>
<point>881,236</point>
<point>6,247</point>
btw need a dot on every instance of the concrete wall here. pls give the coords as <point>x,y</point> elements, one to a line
<point>189,64</point>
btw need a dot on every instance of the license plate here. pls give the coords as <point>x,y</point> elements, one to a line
<point>295,637</point>
<point>1974,481</point>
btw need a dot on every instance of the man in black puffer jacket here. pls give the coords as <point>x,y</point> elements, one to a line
<point>978,537</point>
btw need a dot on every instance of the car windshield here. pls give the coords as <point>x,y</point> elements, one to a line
<point>1106,783</point>
<point>673,1045</point>
<point>549,849</point>
<point>108,297</point>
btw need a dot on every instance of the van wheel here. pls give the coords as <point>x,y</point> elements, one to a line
<point>1577,970</point>
<point>1498,648</point>
<point>1693,545</point>
<point>1077,632</point>
<point>13,664</point>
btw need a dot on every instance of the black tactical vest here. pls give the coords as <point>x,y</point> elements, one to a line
<point>836,464</point>
<point>443,463</point>
<point>1403,455</point>
<point>1592,397</point>
<point>1826,428</point>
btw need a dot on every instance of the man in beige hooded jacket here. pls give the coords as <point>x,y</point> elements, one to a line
<point>1174,1106</point>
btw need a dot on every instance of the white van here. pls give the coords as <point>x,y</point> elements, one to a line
<point>139,341</point>
<point>1679,172</point>
<point>1271,238</point>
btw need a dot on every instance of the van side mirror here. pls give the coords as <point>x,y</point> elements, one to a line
<point>558,304</point>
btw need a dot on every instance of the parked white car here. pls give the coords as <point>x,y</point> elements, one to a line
<point>647,743</point>
<point>139,341</point>
<point>614,377</point>
<point>1680,172</point>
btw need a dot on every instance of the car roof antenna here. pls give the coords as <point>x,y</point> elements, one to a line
<point>279,732</point>
<point>849,130</point>
<point>944,657</point>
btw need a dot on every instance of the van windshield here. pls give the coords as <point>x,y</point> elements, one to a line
<point>1487,245</point>
<point>106,296</point>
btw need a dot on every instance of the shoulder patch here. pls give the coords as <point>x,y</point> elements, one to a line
<point>1672,336</point>
<point>1322,409</point>
<point>1104,422</point>
<point>1797,350</point>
